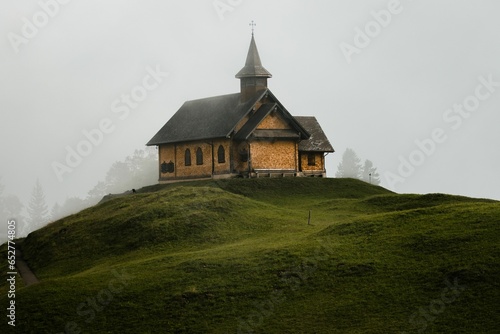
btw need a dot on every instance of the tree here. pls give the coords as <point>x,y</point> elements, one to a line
<point>97,193</point>
<point>350,166</point>
<point>136,171</point>
<point>55,213</point>
<point>370,174</point>
<point>11,208</point>
<point>37,208</point>
<point>72,205</point>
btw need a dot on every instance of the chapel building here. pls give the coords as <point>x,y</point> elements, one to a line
<point>246,134</point>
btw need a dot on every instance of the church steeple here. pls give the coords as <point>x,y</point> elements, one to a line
<point>253,75</point>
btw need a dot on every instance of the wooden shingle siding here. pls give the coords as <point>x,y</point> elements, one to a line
<point>273,121</point>
<point>319,161</point>
<point>278,155</point>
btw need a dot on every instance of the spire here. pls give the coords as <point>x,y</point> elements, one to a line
<point>253,66</point>
<point>253,76</point>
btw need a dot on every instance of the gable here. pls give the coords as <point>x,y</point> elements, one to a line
<point>274,121</point>
<point>271,119</point>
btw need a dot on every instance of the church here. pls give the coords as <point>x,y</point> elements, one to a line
<point>245,134</point>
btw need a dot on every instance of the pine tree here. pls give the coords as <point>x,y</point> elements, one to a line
<point>55,213</point>
<point>37,208</point>
<point>370,173</point>
<point>350,166</point>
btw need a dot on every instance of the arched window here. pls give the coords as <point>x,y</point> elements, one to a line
<point>199,156</point>
<point>221,154</point>
<point>187,157</point>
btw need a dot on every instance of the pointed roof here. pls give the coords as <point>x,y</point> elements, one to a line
<point>317,141</point>
<point>253,66</point>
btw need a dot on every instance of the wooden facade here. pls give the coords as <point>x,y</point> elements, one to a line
<point>249,134</point>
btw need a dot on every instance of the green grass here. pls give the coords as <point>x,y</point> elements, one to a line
<point>238,255</point>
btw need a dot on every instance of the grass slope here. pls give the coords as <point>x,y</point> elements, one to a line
<point>237,256</point>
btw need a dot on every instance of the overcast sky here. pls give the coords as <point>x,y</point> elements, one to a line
<point>413,86</point>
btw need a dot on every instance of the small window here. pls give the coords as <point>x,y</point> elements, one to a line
<point>311,159</point>
<point>221,154</point>
<point>167,167</point>
<point>164,167</point>
<point>187,157</point>
<point>199,156</point>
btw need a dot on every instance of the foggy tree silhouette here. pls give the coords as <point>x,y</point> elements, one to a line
<point>136,171</point>
<point>350,166</point>
<point>71,205</point>
<point>11,208</point>
<point>55,212</point>
<point>37,208</point>
<point>369,169</point>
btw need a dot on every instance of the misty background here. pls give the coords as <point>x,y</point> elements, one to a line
<point>68,76</point>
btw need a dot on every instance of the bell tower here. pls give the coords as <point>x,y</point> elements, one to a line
<point>253,76</point>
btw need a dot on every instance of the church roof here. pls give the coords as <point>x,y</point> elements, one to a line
<point>217,117</point>
<point>213,117</point>
<point>253,66</point>
<point>318,140</point>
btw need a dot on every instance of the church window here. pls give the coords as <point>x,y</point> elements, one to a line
<point>311,159</point>
<point>221,154</point>
<point>167,167</point>
<point>199,156</point>
<point>164,167</point>
<point>187,157</point>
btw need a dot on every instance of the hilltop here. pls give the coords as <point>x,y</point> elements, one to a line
<point>239,255</point>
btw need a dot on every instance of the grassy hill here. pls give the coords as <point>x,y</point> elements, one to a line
<point>238,256</point>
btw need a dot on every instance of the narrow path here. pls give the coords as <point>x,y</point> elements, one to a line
<point>25,271</point>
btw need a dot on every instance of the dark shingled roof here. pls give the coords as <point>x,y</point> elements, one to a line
<point>253,66</point>
<point>318,141</point>
<point>213,117</point>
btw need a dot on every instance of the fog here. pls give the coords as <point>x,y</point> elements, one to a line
<point>413,86</point>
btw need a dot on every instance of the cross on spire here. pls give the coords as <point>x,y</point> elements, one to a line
<point>252,25</point>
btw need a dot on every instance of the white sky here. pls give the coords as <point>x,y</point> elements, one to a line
<point>396,90</point>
